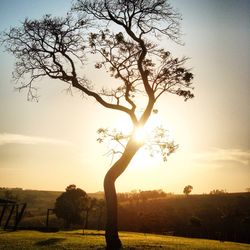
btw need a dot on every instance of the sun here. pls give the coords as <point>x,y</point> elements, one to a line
<point>140,134</point>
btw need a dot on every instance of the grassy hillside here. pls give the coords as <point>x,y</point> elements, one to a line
<point>30,240</point>
<point>221,216</point>
<point>224,216</point>
<point>38,201</point>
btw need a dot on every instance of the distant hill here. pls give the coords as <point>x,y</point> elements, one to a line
<point>222,216</point>
<point>38,201</point>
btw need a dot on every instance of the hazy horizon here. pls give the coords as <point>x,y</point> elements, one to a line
<point>223,191</point>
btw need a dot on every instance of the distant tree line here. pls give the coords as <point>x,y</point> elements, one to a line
<point>142,195</point>
<point>218,191</point>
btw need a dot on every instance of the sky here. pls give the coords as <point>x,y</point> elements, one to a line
<point>51,144</point>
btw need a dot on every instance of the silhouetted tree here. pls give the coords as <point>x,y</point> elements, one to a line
<point>187,190</point>
<point>70,205</point>
<point>130,53</point>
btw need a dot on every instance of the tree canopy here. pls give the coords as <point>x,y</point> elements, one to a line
<point>123,38</point>
<point>71,204</point>
<point>52,46</point>
<point>187,189</point>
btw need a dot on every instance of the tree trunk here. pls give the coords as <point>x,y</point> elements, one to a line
<point>112,238</point>
<point>99,219</point>
<point>86,224</point>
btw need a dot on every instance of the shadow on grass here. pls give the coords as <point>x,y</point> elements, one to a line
<point>49,242</point>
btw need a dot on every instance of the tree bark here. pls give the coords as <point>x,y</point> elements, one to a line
<point>112,238</point>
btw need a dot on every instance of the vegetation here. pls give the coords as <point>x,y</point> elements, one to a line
<point>38,202</point>
<point>220,216</point>
<point>94,240</point>
<point>141,195</point>
<point>71,205</point>
<point>218,191</point>
<point>52,47</point>
<point>187,190</point>
<point>224,217</point>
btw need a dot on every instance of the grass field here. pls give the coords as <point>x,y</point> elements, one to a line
<point>31,240</point>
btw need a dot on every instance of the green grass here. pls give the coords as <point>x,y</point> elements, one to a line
<point>31,240</point>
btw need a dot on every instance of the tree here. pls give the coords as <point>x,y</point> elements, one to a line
<point>70,205</point>
<point>52,47</point>
<point>187,190</point>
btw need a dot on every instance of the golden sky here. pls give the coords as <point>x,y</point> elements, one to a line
<point>51,144</point>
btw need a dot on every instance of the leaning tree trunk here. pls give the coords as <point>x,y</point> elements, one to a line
<point>112,238</point>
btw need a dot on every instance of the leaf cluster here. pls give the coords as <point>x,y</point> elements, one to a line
<point>160,143</point>
<point>156,142</point>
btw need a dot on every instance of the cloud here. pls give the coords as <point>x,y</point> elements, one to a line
<point>225,156</point>
<point>6,138</point>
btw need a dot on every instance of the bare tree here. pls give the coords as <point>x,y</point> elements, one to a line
<point>52,47</point>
